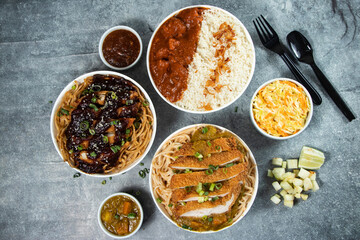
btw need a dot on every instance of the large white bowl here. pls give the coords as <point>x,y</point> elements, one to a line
<point>81,79</point>
<point>114,235</point>
<point>148,63</point>
<point>252,158</point>
<point>308,119</point>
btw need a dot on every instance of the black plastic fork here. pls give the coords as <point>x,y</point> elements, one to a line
<point>270,40</point>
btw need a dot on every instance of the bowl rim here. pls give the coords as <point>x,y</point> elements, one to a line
<point>81,79</point>
<point>308,119</point>
<point>101,42</point>
<point>250,203</point>
<point>248,36</point>
<point>102,225</point>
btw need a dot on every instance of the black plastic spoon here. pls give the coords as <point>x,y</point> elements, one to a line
<point>303,52</point>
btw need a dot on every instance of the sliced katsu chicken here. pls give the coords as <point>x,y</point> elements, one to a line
<point>184,195</point>
<point>196,209</point>
<point>129,111</point>
<point>218,159</point>
<point>207,147</point>
<point>192,179</point>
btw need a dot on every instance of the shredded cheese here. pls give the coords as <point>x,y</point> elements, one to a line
<point>281,108</point>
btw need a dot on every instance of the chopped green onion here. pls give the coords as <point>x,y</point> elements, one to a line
<point>198,155</point>
<point>147,170</point>
<point>73,87</point>
<point>213,167</point>
<point>188,171</point>
<point>229,165</point>
<point>137,125</point>
<point>183,203</point>
<point>230,220</point>
<point>211,188</point>
<point>170,205</point>
<point>122,142</point>
<point>64,111</point>
<point>96,88</point>
<point>186,227</point>
<point>129,102</point>
<point>103,182</point>
<point>176,157</point>
<point>201,193</point>
<point>128,131</point>
<point>142,174</point>
<point>105,139</point>
<point>204,217</point>
<point>199,187</point>
<point>150,122</point>
<point>115,148</point>
<point>188,188</point>
<point>93,99</point>
<point>93,106</point>
<point>141,164</point>
<point>84,125</point>
<point>50,101</point>
<point>92,154</point>
<point>85,92</point>
<point>76,175</point>
<point>80,148</point>
<point>209,171</point>
<point>218,186</point>
<point>71,151</point>
<point>209,155</point>
<point>215,198</point>
<point>145,103</point>
<point>116,216</point>
<point>236,108</point>
<point>131,215</point>
<point>224,170</point>
<point>159,200</point>
<point>218,148</point>
<point>179,147</point>
<point>115,122</point>
<point>113,95</point>
<point>138,193</point>
<point>206,193</point>
<point>208,143</point>
<point>92,131</point>
<point>210,219</point>
<point>110,178</point>
<point>204,130</point>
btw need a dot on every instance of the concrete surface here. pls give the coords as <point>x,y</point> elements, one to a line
<point>46,44</point>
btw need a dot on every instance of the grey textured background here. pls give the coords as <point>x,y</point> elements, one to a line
<point>46,44</point>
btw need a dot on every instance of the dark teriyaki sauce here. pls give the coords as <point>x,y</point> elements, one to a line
<point>101,123</point>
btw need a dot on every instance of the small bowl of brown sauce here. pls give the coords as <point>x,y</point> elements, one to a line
<point>120,47</point>
<point>120,215</point>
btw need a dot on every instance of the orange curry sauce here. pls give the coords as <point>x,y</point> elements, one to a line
<point>172,51</point>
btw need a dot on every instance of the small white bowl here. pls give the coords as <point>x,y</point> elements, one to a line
<point>307,119</point>
<point>81,79</point>
<point>249,204</point>
<point>102,41</point>
<point>225,105</point>
<point>114,235</point>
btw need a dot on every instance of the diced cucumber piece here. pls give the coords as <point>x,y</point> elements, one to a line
<point>275,199</point>
<point>278,172</point>
<point>277,161</point>
<point>283,165</point>
<point>270,174</point>
<point>307,184</point>
<point>315,186</point>
<point>304,196</point>
<point>303,173</point>
<point>298,189</point>
<point>283,193</point>
<point>298,182</point>
<point>296,172</point>
<point>288,197</point>
<point>298,195</point>
<point>289,203</point>
<point>285,185</point>
<point>312,176</point>
<point>276,186</point>
<point>292,163</point>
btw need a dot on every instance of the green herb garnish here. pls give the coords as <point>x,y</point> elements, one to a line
<point>117,216</point>
<point>141,164</point>
<point>71,151</point>
<point>142,173</point>
<point>137,125</point>
<point>131,215</point>
<point>170,205</point>
<point>105,139</point>
<point>92,131</point>
<point>159,200</point>
<point>127,131</point>
<point>186,227</point>
<point>92,154</point>
<point>204,130</point>
<point>103,182</point>
<point>208,143</point>
<point>236,109</point>
<point>210,219</point>
<point>80,148</point>
<point>76,175</point>
<point>73,87</point>
<point>129,102</point>
<point>84,125</point>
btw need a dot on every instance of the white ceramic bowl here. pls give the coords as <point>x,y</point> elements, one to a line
<point>191,111</point>
<point>102,225</point>
<point>267,134</point>
<point>81,79</point>
<point>252,158</point>
<point>102,41</point>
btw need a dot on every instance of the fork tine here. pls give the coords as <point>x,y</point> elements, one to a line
<point>262,30</point>
<point>269,26</point>
<point>260,36</point>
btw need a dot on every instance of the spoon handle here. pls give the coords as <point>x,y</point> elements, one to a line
<point>335,96</point>
<point>300,77</point>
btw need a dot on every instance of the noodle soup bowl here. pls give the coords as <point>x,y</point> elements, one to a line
<point>224,105</point>
<point>262,131</point>
<point>80,79</point>
<point>162,208</point>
